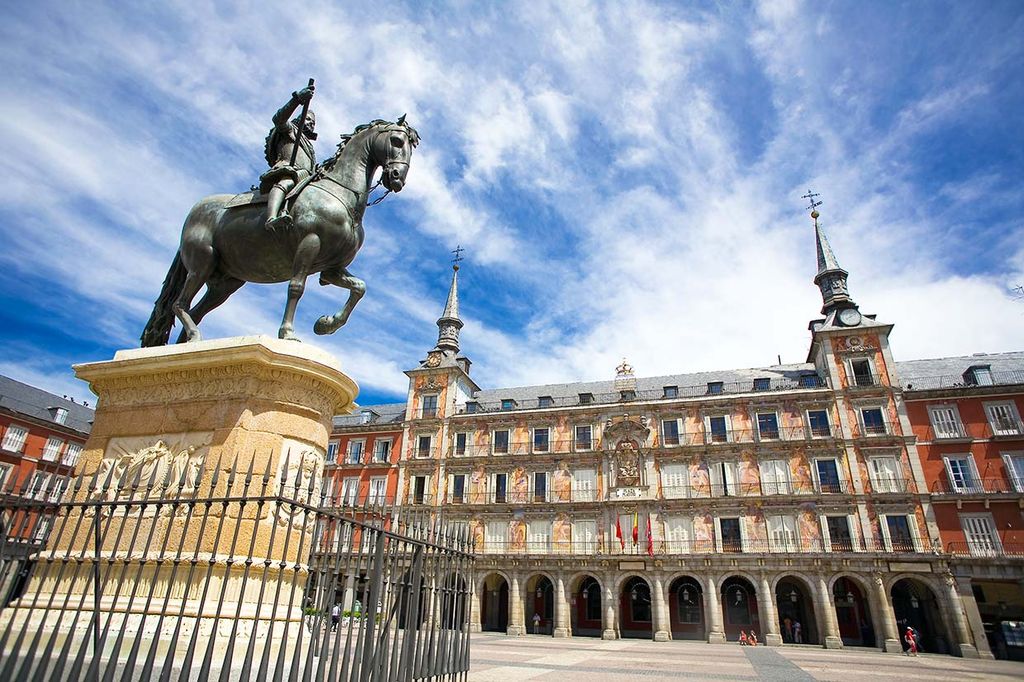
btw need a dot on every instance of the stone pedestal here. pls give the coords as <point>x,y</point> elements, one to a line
<point>184,437</point>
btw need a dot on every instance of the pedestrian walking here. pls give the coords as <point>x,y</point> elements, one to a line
<point>335,616</point>
<point>911,641</point>
<point>797,632</point>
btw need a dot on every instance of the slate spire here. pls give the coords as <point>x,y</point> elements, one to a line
<point>449,324</point>
<point>831,278</point>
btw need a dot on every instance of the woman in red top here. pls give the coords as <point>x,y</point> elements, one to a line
<point>911,642</point>
<point>743,638</point>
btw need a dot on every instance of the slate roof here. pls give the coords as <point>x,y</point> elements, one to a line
<point>35,402</point>
<point>389,413</point>
<point>948,372</point>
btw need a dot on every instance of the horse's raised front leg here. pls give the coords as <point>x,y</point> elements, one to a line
<point>328,324</point>
<point>305,254</point>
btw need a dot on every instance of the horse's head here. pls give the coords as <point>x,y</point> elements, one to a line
<point>391,148</point>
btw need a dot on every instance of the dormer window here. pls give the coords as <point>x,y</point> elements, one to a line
<point>628,394</point>
<point>670,392</point>
<point>545,401</point>
<point>508,404</point>
<point>809,381</point>
<point>472,406</point>
<point>762,384</point>
<point>366,416</point>
<point>60,414</point>
<point>715,387</point>
<point>586,398</point>
<point>978,375</point>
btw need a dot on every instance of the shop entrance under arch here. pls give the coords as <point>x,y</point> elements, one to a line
<point>636,610</point>
<point>494,604</point>
<point>539,610</point>
<point>853,613</point>
<point>915,605</point>
<point>739,608</point>
<point>686,609</point>
<point>795,606</point>
<point>586,608</point>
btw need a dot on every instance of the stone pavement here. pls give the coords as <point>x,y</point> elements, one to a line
<point>504,659</point>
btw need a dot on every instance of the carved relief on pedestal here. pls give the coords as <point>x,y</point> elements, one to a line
<point>153,467</point>
<point>299,474</point>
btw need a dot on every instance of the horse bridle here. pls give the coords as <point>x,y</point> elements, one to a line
<point>384,168</point>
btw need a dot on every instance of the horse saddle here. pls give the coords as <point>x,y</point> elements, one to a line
<point>254,197</point>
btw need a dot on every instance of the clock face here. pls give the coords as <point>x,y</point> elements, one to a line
<point>849,317</point>
<point>433,360</point>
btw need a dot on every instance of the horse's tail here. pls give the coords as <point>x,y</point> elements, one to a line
<point>158,329</point>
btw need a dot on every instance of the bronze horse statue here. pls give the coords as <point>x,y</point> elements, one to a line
<point>224,244</point>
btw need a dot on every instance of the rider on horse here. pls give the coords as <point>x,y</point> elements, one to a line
<point>283,176</point>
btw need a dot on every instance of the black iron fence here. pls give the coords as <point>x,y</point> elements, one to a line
<point>217,572</point>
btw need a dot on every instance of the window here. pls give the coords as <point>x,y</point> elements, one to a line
<point>584,485</point>
<point>718,429</point>
<point>71,454</point>
<point>423,444</point>
<point>946,422</point>
<point>730,535</point>
<point>37,486</point>
<point>674,479</point>
<point>327,488</point>
<point>1002,417</point>
<point>885,474</point>
<point>419,489</point>
<point>500,488</point>
<point>669,432</point>
<point>817,420</point>
<point>355,451</point>
<point>14,439</point>
<point>768,425</point>
<point>775,477</point>
<point>472,406</point>
<point>715,387</point>
<point>782,534</point>
<point>499,442</point>
<point>5,471</point>
<point>899,533</point>
<point>861,371</point>
<point>962,474</point>
<point>584,539</point>
<point>52,449</point>
<point>873,421</point>
<point>378,489</point>
<point>332,451</point>
<point>60,415</point>
<point>540,486</point>
<point>723,478</point>
<point>584,437</point>
<point>1014,462</point>
<point>628,394</point>
<point>678,534</point>
<point>810,381</point>
<point>349,491</point>
<point>980,531</point>
<point>366,416</point>
<point>762,384</point>
<point>688,604</point>
<point>827,471</point>
<point>545,401</point>
<point>838,536</point>
<point>43,525</point>
<point>538,536</point>
<point>495,536</point>
<point>382,450</point>
<point>508,404</point>
<point>978,375</point>
<point>461,439</point>
<point>428,409</point>
<point>540,440</point>
<point>670,392</point>
<point>57,491</point>
<point>586,398</point>
<point>458,489</point>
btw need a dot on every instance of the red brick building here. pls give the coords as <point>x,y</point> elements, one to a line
<point>966,415</point>
<point>41,436</point>
<point>362,456</point>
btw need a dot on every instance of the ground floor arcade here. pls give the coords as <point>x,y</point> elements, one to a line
<point>798,604</point>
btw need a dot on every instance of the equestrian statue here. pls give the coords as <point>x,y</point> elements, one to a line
<point>303,218</point>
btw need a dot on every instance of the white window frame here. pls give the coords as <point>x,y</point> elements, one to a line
<point>778,425</point>
<point>728,428</point>
<point>807,420</point>
<point>586,493</point>
<point>60,484</point>
<point>584,536</point>
<point>953,473</point>
<point>816,475</point>
<point>724,478</point>
<point>547,486</point>
<point>492,479</point>
<point>349,491</point>
<point>538,536</point>
<point>1016,479</point>
<point>60,415</point>
<point>495,536</point>
<point>327,488</point>
<point>915,533</point>
<point>426,488</point>
<point>51,451</point>
<point>743,532</point>
<point>333,448</point>
<point>940,427</point>
<point>71,454</point>
<point>533,439</point>
<point>455,443</point>
<point>5,471</point>
<point>508,441</point>
<point>1014,416</point>
<point>987,547</point>
<point>679,534</point>
<point>851,376</point>
<point>576,440</point>
<point>879,485</point>
<point>15,437</point>
<point>44,524</point>
<point>37,485</point>
<point>377,444</point>
<point>378,489</point>
<point>790,531</point>
<point>826,535</point>
<point>350,450</point>
<point>423,405</point>
<point>416,449</point>
<point>679,432</point>
<point>675,480</point>
<point>886,427</point>
<point>770,485</point>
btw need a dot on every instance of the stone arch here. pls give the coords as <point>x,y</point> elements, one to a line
<point>739,600</point>
<point>687,606</point>
<point>799,614</point>
<point>454,598</point>
<point>917,603</point>
<point>539,599</point>
<point>586,599</point>
<point>493,589</point>
<point>635,597</point>
<point>850,595</point>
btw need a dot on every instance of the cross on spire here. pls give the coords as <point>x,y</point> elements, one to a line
<point>458,250</point>
<point>810,196</point>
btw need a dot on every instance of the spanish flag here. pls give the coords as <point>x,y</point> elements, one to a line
<point>636,527</point>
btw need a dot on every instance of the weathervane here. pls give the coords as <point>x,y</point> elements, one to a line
<point>813,204</point>
<point>458,257</point>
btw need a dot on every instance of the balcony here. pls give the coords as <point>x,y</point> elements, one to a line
<point>1004,428</point>
<point>517,497</point>
<point>948,433</point>
<point>721,388</point>
<point>973,486</point>
<point>762,489</point>
<point>891,485</point>
<point>985,549</point>
<point>422,453</point>
<point>521,448</point>
<point>957,381</point>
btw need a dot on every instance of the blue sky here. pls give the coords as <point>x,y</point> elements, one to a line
<point>625,177</point>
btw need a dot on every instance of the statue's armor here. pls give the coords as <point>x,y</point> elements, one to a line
<point>278,152</point>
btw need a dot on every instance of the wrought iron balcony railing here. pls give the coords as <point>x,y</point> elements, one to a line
<point>972,486</point>
<point>958,381</point>
<point>612,546</point>
<point>990,548</point>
